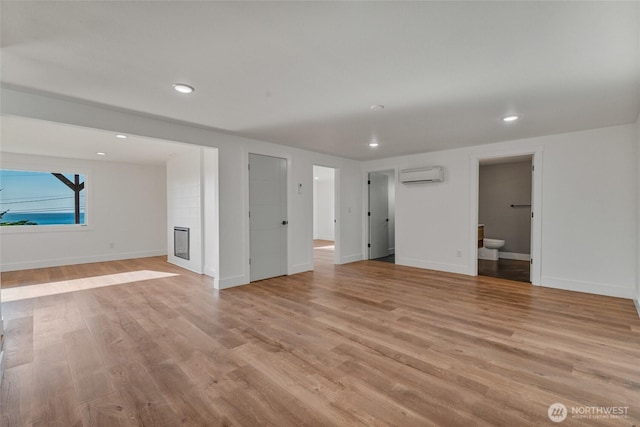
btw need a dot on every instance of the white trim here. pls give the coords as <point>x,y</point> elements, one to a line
<point>208,271</point>
<point>186,267</point>
<point>351,258</point>
<point>587,287</point>
<point>1,366</point>
<point>514,255</point>
<point>229,282</point>
<point>300,268</point>
<point>439,266</point>
<point>636,301</point>
<point>56,262</point>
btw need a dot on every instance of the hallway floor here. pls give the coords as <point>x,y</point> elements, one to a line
<point>510,269</point>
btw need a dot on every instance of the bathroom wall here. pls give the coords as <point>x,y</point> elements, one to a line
<point>502,185</point>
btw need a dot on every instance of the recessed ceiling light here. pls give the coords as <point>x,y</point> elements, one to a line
<point>100,153</point>
<point>183,88</point>
<point>316,177</point>
<point>373,144</point>
<point>377,107</point>
<point>121,136</point>
<point>510,118</point>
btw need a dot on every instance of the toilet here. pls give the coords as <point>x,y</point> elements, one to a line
<point>490,249</point>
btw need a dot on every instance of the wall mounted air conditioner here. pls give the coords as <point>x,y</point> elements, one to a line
<point>431,174</point>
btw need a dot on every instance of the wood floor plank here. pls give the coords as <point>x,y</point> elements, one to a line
<point>18,344</point>
<point>89,374</point>
<point>53,402</point>
<point>148,405</point>
<point>16,396</point>
<point>367,343</point>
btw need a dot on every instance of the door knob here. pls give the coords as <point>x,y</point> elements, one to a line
<point>285,222</point>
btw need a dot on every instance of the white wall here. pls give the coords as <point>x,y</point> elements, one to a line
<point>192,187</point>
<point>323,227</point>
<point>210,221</point>
<point>123,205</point>
<point>184,207</point>
<point>233,155</point>
<point>637,299</point>
<point>589,203</point>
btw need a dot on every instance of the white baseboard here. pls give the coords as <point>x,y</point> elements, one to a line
<point>57,262</point>
<point>587,287</point>
<point>230,282</point>
<point>350,258</point>
<point>208,271</point>
<point>429,265</point>
<point>636,301</point>
<point>514,255</point>
<point>181,264</point>
<point>1,366</point>
<point>301,268</point>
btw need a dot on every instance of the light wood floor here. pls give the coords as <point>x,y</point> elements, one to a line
<point>368,344</point>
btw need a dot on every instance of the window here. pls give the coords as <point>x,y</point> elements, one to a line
<point>33,198</point>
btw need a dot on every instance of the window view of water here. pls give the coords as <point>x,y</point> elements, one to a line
<point>41,198</point>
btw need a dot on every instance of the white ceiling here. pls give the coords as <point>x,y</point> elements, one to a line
<point>36,137</point>
<point>305,73</point>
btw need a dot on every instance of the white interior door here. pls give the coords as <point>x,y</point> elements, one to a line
<point>267,216</point>
<point>378,216</point>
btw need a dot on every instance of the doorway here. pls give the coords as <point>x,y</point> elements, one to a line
<point>381,215</point>
<point>324,215</point>
<point>505,188</point>
<point>267,216</point>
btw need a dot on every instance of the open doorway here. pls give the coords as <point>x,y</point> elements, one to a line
<point>505,217</point>
<point>381,215</point>
<point>324,218</point>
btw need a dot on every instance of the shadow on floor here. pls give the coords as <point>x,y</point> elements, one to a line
<point>389,258</point>
<point>509,269</point>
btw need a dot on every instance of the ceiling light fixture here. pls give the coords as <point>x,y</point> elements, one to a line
<point>183,88</point>
<point>377,107</point>
<point>121,136</point>
<point>100,153</point>
<point>510,119</point>
<point>373,144</point>
<point>316,177</point>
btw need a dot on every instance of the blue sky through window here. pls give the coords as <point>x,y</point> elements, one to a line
<point>34,192</point>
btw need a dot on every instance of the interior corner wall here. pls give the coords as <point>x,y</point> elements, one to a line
<point>184,207</point>
<point>123,220</point>
<point>589,199</point>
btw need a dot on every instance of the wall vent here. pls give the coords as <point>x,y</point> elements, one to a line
<point>181,242</point>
